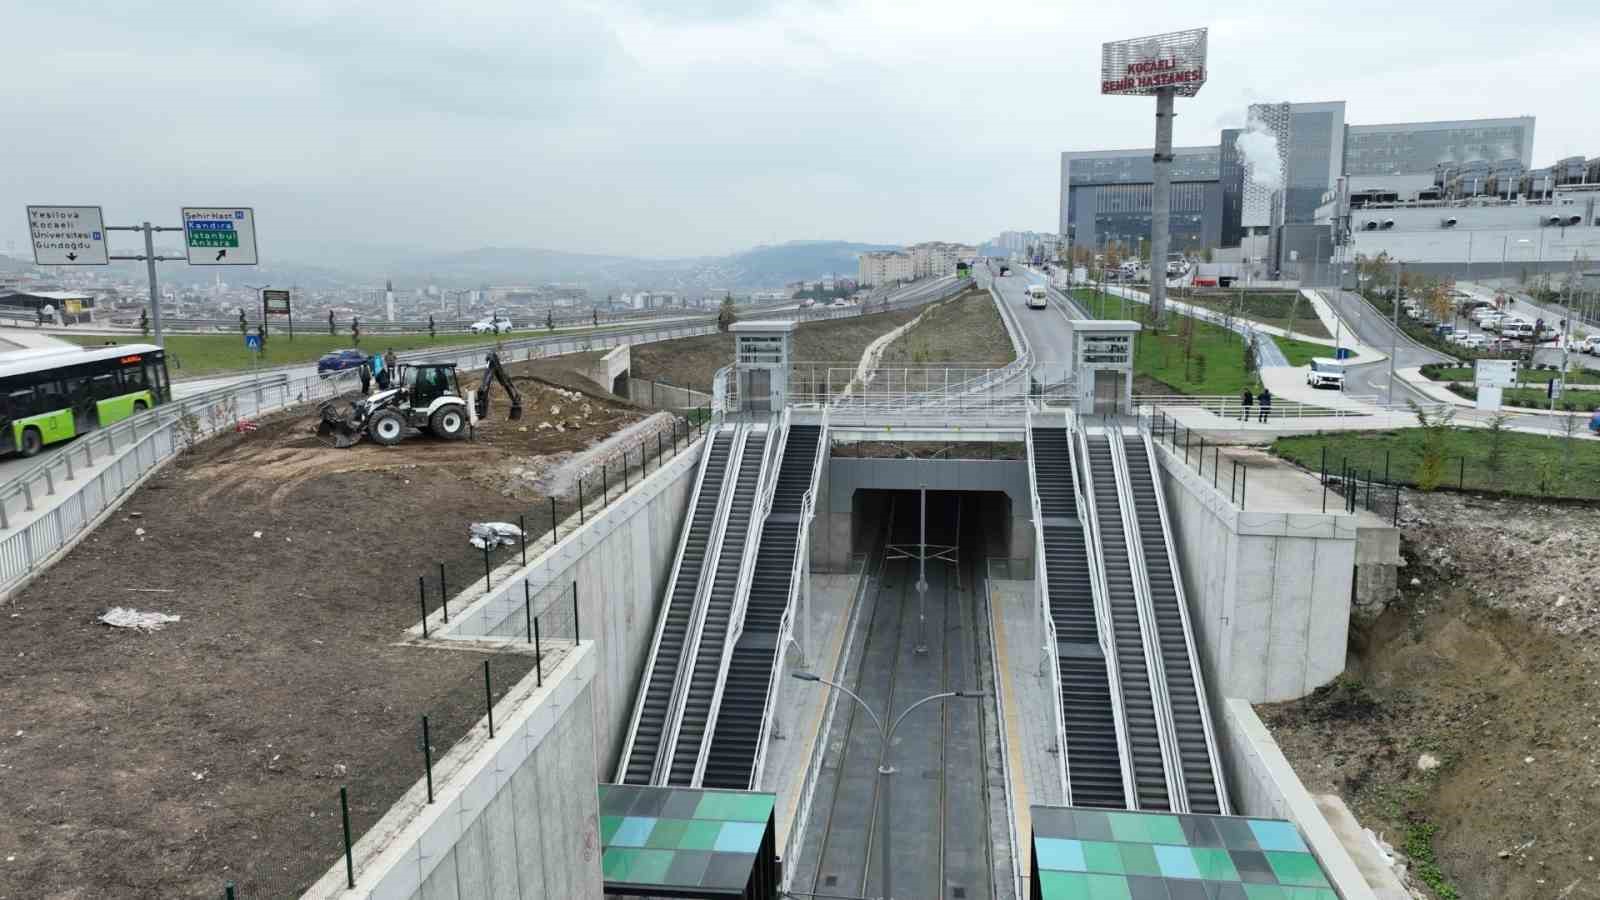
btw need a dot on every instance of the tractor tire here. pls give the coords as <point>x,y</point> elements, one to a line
<point>449,422</point>
<point>387,427</point>
<point>32,442</point>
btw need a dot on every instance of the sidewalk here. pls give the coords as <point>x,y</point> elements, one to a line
<point>30,339</point>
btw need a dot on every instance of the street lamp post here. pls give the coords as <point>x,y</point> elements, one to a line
<point>885,736</point>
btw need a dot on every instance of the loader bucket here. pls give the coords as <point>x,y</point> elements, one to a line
<point>337,426</point>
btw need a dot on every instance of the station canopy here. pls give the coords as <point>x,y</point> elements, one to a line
<point>685,842</point>
<point>1087,853</point>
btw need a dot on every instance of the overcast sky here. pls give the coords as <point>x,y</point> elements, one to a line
<point>679,127</point>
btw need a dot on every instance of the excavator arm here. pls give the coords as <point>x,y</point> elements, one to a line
<point>493,372</point>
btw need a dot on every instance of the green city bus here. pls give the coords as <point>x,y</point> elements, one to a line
<point>48,396</point>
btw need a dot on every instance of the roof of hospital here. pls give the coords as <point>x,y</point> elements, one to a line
<point>683,842</point>
<point>1084,853</point>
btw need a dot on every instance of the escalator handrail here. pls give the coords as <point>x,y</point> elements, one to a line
<point>802,561</point>
<point>1090,522</point>
<point>1196,670</point>
<point>767,484</point>
<point>1041,578</point>
<point>708,569</point>
<point>708,439</point>
<point>1149,633</point>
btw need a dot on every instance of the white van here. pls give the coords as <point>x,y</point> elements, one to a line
<point>1516,328</point>
<point>1038,298</point>
<point>1326,372</point>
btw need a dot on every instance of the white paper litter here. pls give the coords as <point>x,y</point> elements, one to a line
<point>494,534</point>
<point>127,617</point>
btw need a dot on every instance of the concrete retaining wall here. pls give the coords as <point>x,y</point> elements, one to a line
<point>657,395</point>
<point>513,817</point>
<point>605,370</point>
<point>1269,592</point>
<point>621,560</point>
<point>1262,783</point>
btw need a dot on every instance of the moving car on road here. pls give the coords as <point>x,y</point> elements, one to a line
<point>1037,297</point>
<point>495,325</point>
<point>339,360</point>
<point>1326,373</point>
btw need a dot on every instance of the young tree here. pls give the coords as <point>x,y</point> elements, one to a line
<point>1495,461</point>
<point>726,315</point>
<point>1436,428</point>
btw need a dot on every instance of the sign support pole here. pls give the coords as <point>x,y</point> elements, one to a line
<point>149,258</point>
<point>1161,206</point>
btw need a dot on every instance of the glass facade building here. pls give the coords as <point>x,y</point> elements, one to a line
<point>1417,148</point>
<point>1106,196</point>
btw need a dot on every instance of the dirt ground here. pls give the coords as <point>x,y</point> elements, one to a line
<point>967,329</point>
<point>690,362</point>
<point>1467,723</point>
<point>164,764</point>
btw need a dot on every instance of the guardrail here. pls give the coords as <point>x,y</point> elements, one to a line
<point>1229,406</point>
<point>1159,426</point>
<point>17,495</point>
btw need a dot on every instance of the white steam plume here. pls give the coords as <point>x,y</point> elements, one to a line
<point>1259,150</point>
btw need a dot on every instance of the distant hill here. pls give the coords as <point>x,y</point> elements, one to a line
<point>761,267</point>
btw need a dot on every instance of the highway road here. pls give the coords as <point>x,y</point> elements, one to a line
<point>1048,331</point>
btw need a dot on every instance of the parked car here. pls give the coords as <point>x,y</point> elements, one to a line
<point>495,325</point>
<point>1444,331</point>
<point>339,360</point>
<point>1475,342</point>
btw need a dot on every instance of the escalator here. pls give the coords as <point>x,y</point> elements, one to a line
<point>1185,693</point>
<point>656,688</point>
<point>735,740</point>
<point>1138,701</point>
<point>699,692</point>
<point>1094,760</point>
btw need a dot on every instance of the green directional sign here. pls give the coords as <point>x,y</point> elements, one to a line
<point>219,236</point>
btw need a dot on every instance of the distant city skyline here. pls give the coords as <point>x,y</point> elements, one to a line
<point>643,128</point>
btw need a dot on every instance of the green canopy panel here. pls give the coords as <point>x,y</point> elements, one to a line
<point>685,842</point>
<point>1095,853</point>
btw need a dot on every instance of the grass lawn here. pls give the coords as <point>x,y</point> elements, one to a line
<point>1215,361</point>
<point>1267,308</point>
<point>189,355</point>
<point>1533,464</point>
<point>1464,374</point>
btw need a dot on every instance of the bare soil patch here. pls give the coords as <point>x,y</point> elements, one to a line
<point>164,764</point>
<point>690,362</point>
<point>1468,710</point>
<point>966,329</point>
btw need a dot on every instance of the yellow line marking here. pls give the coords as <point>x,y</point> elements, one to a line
<point>1013,724</point>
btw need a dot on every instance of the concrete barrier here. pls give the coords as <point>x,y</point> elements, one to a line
<point>605,370</point>
<point>516,816</point>
<point>1269,592</point>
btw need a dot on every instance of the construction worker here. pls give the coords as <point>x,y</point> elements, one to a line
<point>379,373</point>
<point>389,361</point>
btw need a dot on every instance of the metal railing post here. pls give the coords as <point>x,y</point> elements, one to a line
<point>538,654</point>
<point>444,596</point>
<point>488,697</point>
<point>574,612</point>
<point>427,756</point>
<point>522,526</point>
<point>486,584</point>
<point>422,597</point>
<point>349,858</point>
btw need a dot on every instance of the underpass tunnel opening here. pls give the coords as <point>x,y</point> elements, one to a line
<point>978,523</point>
<point>619,384</point>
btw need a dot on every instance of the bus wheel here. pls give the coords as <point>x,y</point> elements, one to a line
<point>32,441</point>
<point>139,406</point>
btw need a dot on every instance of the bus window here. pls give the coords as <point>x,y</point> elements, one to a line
<point>104,386</point>
<point>133,379</point>
<point>47,394</point>
<point>19,403</point>
<point>156,377</point>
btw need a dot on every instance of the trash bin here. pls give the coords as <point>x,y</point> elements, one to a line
<point>1342,353</point>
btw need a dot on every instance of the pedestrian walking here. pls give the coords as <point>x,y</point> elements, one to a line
<point>332,328</point>
<point>389,360</point>
<point>1245,400</point>
<point>1265,402</point>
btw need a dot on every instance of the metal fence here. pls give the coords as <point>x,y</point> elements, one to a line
<point>1192,447</point>
<point>1229,406</point>
<point>413,750</point>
